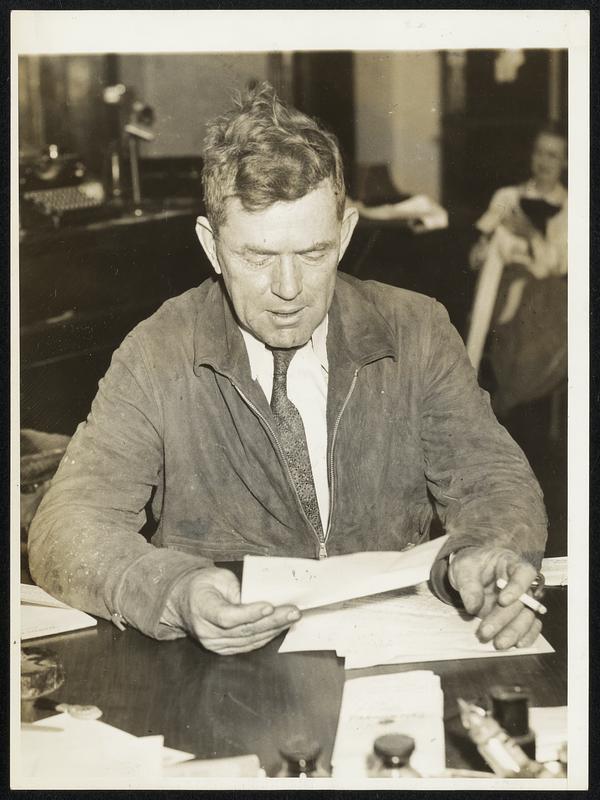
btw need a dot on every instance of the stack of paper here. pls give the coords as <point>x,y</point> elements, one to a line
<point>64,750</point>
<point>44,615</point>
<point>308,583</point>
<point>411,703</point>
<point>401,627</point>
<point>556,571</point>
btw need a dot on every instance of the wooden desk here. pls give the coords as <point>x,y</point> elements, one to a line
<point>216,706</point>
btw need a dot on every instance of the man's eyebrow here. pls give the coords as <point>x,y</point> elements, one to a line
<point>262,251</point>
<point>318,246</point>
<point>258,251</point>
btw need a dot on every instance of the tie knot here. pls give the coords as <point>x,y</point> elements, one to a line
<point>281,361</point>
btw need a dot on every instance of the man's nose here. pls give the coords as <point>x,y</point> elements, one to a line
<point>287,278</point>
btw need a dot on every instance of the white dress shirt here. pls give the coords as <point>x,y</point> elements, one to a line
<point>307,389</point>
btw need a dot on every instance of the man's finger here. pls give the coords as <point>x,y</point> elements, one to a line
<point>498,619</point>
<point>465,576</point>
<point>471,593</point>
<point>515,630</point>
<point>282,617</point>
<point>519,577</point>
<point>250,618</point>
<point>531,636</point>
<point>223,614</point>
<point>240,644</point>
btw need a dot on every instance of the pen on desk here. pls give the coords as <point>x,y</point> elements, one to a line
<point>526,599</point>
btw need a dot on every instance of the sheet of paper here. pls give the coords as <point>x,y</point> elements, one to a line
<point>411,703</point>
<point>34,595</point>
<point>83,749</point>
<point>308,583</point>
<point>401,627</point>
<point>556,571</point>
<point>87,749</point>
<point>419,207</point>
<point>235,767</point>
<point>44,615</point>
<point>550,727</point>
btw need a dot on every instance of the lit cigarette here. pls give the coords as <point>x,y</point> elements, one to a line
<point>526,599</point>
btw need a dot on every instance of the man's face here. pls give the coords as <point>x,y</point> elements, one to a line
<point>549,158</point>
<point>279,264</point>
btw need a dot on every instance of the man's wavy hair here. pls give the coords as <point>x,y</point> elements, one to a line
<point>263,151</point>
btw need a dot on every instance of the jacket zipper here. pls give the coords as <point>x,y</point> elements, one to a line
<point>320,539</point>
<point>331,466</point>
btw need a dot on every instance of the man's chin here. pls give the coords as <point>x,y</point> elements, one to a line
<point>285,339</point>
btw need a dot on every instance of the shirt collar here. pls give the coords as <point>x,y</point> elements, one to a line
<point>257,350</point>
<point>357,333</point>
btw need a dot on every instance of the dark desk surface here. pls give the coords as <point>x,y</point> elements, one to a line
<point>216,706</point>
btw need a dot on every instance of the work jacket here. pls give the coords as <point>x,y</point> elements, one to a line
<point>178,421</point>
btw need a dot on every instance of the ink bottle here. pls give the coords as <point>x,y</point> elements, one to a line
<point>301,759</point>
<point>391,757</point>
<point>510,709</point>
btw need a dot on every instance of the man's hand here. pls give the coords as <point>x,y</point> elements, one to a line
<point>504,619</point>
<point>207,605</point>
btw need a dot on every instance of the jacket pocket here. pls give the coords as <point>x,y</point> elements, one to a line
<point>224,547</point>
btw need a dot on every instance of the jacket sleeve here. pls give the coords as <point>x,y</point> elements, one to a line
<point>84,542</point>
<point>483,487</point>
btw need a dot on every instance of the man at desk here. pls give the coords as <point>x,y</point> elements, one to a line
<point>283,409</point>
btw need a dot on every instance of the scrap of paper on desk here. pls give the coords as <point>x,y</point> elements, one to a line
<point>411,703</point>
<point>308,583</point>
<point>550,728</point>
<point>44,615</point>
<point>420,207</point>
<point>80,750</point>
<point>556,571</point>
<point>401,627</point>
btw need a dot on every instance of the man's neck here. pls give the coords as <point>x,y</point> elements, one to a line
<point>318,341</point>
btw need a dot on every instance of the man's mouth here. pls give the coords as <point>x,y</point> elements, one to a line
<point>287,316</point>
<point>287,312</point>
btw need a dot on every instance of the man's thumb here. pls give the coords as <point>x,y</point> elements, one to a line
<point>465,577</point>
<point>229,586</point>
<point>471,593</point>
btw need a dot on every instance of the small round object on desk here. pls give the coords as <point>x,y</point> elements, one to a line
<point>80,712</point>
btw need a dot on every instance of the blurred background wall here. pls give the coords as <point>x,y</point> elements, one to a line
<point>453,124</point>
<point>187,90</point>
<point>398,117</point>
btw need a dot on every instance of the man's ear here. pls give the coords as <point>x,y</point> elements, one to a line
<point>348,224</point>
<point>205,235</point>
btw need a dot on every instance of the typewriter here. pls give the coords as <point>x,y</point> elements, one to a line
<point>55,190</point>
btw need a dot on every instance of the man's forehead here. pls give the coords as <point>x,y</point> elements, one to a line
<point>310,216</point>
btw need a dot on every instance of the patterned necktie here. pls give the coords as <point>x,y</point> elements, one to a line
<point>293,438</point>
